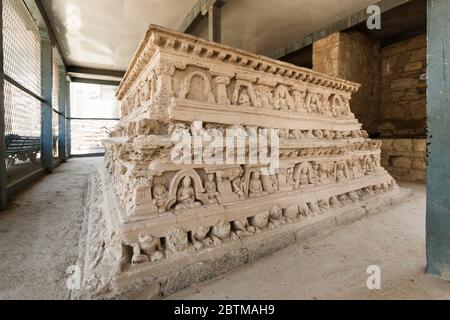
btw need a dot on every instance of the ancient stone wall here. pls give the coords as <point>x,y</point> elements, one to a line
<point>355,57</point>
<point>87,135</point>
<point>391,102</point>
<point>402,119</point>
<point>405,158</point>
<point>403,89</point>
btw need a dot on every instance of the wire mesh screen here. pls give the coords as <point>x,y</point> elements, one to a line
<point>21,46</point>
<point>22,62</point>
<point>87,135</point>
<point>55,103</point>
<point>22,132</point>
<point>96,111</point>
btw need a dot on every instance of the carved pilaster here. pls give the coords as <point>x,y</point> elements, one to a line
<point>221,83</point>
<point>164,73</point>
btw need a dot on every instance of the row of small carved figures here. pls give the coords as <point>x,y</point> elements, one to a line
<point>234,183</point>
<point>210,130</point>
<point>305,174</point>
<point>245,93</point>
<point>197,128</point>
<point>297,134</point>
<point>287,153</point>
<point>148,248</point>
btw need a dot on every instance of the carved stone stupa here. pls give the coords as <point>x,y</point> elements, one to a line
<point>164,225</point>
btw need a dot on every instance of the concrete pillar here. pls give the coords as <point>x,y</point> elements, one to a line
<point>438,114</point>
<point>215,22</point>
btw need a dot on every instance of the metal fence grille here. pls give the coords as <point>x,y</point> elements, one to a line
<point>22,67</point>
<point>21,46</point>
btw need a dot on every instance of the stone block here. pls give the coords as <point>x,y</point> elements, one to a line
<point>268,247</point>
<point>419,54</point>
<point>315,229</point>
<point>350,216</point>
<point>403,145</point>
<point>402,84</point>
<point>375,207</point>
<point>418,109</point>
<point>419,145</point>
<point>399,172</point>
<point>417,176</point>
<point>401,162</point>
<point>419,164</point>
<point>384,161</point>
<point>414,66</point>
<point>387,144</point>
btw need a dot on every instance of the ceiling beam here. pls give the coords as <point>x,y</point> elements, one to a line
<point>50,30</point>
<point>195,15</point>
<point>96,81</point>
<point>404,36</point>
<point>348,22</point>
<point>95,72</point>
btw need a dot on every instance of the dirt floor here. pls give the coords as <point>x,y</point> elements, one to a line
<point>335,267</point>
<point>39,239</point>
<point>39,234</point>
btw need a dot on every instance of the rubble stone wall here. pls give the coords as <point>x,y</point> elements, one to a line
<point>391,102</point>
<point>405,159</point>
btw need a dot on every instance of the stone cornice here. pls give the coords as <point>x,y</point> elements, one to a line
<point>159,37</point>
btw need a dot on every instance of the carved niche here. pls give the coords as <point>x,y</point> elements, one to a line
<point>304,175</point>
<point>197,90</point>
<point>186,191</point>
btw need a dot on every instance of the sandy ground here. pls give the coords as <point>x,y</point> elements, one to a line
<point>39,234</point>
<point>39,239</point>
<point>335,267</point>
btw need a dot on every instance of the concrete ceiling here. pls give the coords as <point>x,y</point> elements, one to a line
<point>263,26</point>
<point>105,33</point>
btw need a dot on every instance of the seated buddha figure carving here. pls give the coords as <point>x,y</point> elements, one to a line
<point>340,172</point>
<point>186,195</point>
<point>244,98</point>
<point>211,188</point>
<point>306,177</point>
<point>255,187</point>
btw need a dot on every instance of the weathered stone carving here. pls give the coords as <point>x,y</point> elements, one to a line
<point>176,240</point>
<point>165,207</point>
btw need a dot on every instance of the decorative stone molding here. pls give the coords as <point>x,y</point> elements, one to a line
<point>178,85</point>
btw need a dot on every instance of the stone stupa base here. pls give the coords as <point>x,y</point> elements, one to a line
<point>162,278</point>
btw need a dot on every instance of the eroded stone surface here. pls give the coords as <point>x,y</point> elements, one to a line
<point>160,219</point>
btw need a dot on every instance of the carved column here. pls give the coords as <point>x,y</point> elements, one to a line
<point>221,83</point>
<point>164,73</point>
